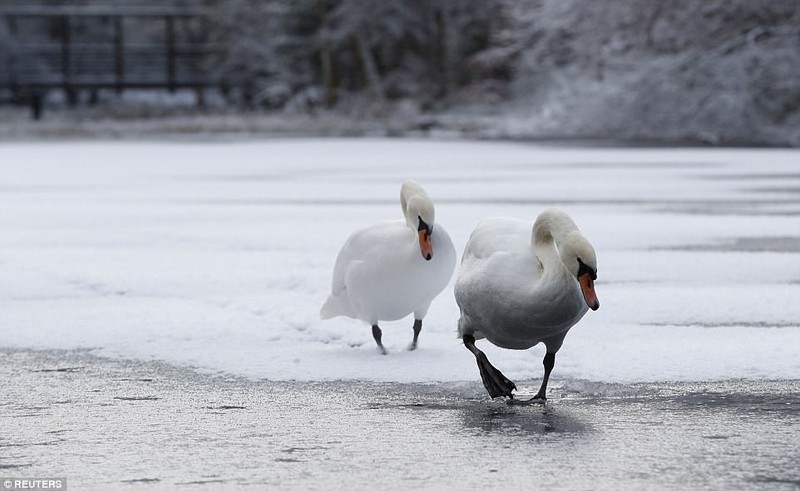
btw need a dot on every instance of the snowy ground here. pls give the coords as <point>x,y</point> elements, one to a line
<point>218,255</point>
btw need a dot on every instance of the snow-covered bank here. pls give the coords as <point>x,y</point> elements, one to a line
<point>218,255</point>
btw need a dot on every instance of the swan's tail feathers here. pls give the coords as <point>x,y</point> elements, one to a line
<point>334,306</point>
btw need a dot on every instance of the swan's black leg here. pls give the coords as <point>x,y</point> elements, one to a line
<point>541,396</point>
<point>376,333</point>
<point>497,385</point>
<point>548,362</point>
<point>417,329</point>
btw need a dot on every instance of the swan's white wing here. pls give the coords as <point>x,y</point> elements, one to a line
<point>498,235</point>
<point>506,296</point>
<point>363,255</point>
<point>380,273</point>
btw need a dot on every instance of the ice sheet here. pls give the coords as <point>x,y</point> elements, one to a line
<point>219,255</point>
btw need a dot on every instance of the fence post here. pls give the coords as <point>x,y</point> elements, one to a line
<point>12,56</point>
<point>66,60</point>
<point>119,53</point>
<point>170,35</point>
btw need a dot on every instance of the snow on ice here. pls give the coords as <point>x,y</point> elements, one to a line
<point>218,255</point>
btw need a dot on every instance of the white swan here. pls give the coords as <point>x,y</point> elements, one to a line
<point>517,289</point>
<point>391,269</point>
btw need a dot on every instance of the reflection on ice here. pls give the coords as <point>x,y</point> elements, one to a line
<point>720,435</point>
<point>498,419</point>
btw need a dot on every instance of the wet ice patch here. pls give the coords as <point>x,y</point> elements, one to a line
<point>788,244</point>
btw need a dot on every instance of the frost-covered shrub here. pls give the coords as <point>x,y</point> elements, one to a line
<point>723,71</point>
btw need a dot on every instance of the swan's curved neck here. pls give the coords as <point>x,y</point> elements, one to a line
<point>416,205</point>
<point>550,229</point>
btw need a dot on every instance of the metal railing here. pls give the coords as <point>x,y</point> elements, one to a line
<point>126,48</point>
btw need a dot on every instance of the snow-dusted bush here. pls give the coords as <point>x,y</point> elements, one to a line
<point>383,49</point>
<point>720,71</point>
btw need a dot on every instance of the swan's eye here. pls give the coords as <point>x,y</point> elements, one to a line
<point>423,225</point>
<point>584,269</point>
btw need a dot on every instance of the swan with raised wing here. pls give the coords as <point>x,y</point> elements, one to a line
<point>519,286</point>
<point>391,269</point>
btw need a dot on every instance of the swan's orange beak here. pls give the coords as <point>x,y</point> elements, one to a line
<point>587,287</point>
<point>425,244</point>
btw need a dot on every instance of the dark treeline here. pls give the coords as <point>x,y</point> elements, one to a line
<point>717,70</point>
<point>714,70</point>
<point>311,52</point>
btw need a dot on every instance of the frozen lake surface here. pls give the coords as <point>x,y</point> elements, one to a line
<point>218,255</point>
<point>106,424</point>
<point>159,319</point>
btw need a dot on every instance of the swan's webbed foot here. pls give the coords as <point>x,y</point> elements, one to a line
<point>497,385</point>
<point>537,399</point>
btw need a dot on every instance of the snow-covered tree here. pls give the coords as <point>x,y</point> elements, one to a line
<point>711,70</point>
<point>251,63</point>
